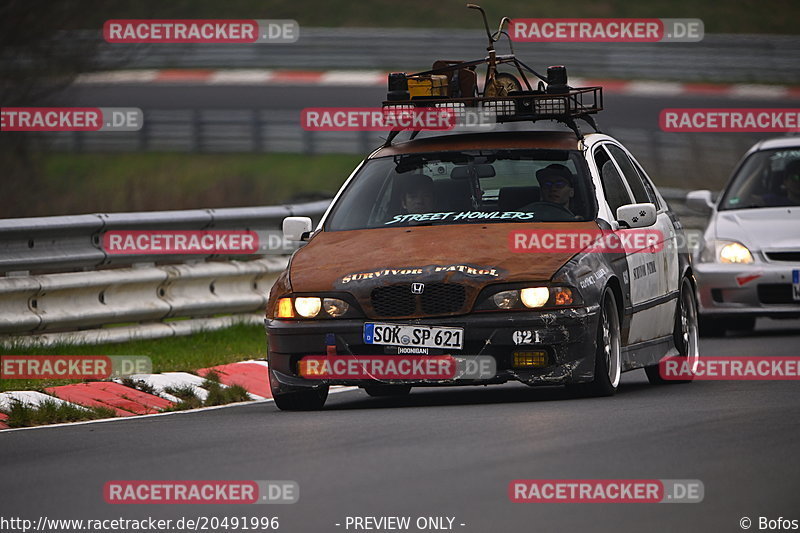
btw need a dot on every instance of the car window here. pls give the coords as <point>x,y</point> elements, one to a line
<point>769,178</point>
<point>630,173</point>
<point>486,186</point>
<point>614,189</point>
<point>648,185</point>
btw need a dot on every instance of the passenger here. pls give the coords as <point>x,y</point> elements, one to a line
<point>418,196</point>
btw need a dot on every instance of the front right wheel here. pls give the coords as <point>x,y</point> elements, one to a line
<point>306,400</point>
<point>289,398</point>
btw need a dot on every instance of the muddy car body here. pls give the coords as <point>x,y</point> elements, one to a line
<point>598,313</point>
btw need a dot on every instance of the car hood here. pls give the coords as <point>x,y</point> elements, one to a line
<point>767,228</point>
<point>477,254</point>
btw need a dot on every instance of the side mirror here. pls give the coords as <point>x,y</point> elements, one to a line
<point>636,215</point>
<point>700,201</point>
<point>296,228</point>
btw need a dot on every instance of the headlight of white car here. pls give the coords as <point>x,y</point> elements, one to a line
<point>726,252</point>
<point>734,252</point>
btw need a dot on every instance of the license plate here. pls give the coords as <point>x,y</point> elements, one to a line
<point>796,285</point>
<point>418,336</point>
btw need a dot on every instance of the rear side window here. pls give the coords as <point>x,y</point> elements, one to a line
<point>615,192</point>
<point>630,173</point>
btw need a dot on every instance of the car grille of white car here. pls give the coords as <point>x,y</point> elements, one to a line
<point>792,257</point>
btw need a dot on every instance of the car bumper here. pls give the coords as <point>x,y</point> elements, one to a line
<point>763,289</point>
<point>568,336</point>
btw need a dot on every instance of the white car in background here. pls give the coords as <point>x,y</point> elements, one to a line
<point>748,264</point>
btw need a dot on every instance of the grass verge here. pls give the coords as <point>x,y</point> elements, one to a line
<point>66,184</point>
<point>51,412</point>
<point>173,354</point>
<point>217,394</point>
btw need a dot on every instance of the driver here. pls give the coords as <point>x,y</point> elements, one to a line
<point>418,194</point>
<point>791,188</point>
<point>557,185</point>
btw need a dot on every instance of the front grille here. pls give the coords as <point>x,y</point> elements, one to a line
<point>394,300</point>
<point>437,299</point>
<point>793,257</point>
<point>776,293</point>
<point>440,298</point>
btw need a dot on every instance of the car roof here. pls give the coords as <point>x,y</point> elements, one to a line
<point>777,142</point>
<point>552,140</point>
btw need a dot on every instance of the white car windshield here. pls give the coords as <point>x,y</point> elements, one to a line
<point>770,178</point>
<point>497,186</point>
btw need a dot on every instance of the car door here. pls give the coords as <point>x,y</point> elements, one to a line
<point>658,280</point>
<point>643,268</point>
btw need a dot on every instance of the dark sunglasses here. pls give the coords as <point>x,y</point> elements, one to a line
<point>555,184</point>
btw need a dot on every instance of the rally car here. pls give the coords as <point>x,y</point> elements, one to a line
<point>426,251</point>
<point>544,257</point>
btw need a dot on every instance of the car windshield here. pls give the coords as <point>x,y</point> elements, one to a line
<point>443,188</point>
<point>770,178</point>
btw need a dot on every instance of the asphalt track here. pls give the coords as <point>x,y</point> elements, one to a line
<point>447,452</point>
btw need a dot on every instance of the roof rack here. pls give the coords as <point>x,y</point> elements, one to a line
<point>452,85</point>
<point>517,106</point>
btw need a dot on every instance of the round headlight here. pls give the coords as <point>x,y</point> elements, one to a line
<point>307,307</point>
<point>335,307</point>
<point>563,296</point>
<point>735,253</point>
<point>535,296</point>
<point>506,299</point>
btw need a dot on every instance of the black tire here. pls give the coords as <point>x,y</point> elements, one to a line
<point>302,400</point>
<point>685,333</point>
<point>608,352</point>
<point>293,398</point>
<point>379,391</point>
<point>711,327</point>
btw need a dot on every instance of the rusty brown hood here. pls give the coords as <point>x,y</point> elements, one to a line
<point>474,254</point>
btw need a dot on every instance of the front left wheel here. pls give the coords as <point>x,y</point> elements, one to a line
<point>685,334</point>
<point>608,352</point>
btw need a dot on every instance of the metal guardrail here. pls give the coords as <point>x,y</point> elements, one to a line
<point>61,286</point>
<point>64,243</point>
<point>67,303</point>
<point>718,57</point>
